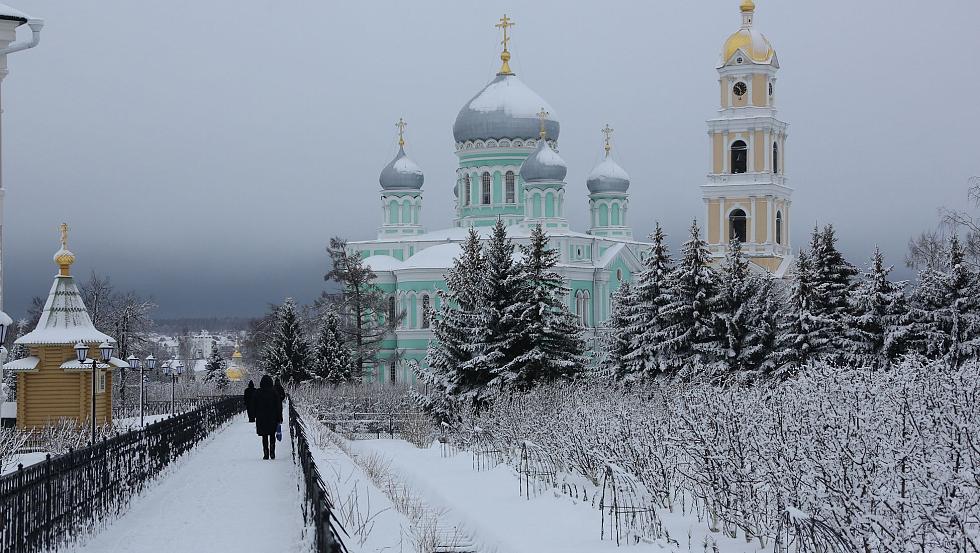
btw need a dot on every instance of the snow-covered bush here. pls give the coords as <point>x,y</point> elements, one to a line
<point>11,440</point>
<point>876,460</point>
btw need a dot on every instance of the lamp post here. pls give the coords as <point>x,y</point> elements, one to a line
<point>175,368</point>
<point>5,322</point>
<point>150,363</point>
<point>105,352</point>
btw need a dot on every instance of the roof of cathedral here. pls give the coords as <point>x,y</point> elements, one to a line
<point>608,176</point>
<point>6,12</point>
<point>505,108</point>
<point>64,319</point>
<point>543,165</point>
<point>401,173</point>
<point>753,43</point>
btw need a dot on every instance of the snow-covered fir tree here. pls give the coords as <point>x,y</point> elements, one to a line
<point>804,333</point>
<point>768,303</point>
<point>450,372</point>
<point>652,293</point>
<point>736,314</point>
<point>833,285</point>
<point>214,368</point>
<point>687,336</point>
<point>549,345</point>
<point>619,341</point>
<point>331,359</point>
<point>286,354</point>
<point>881,328</point>
<point>18,351</point>
<point>497,329</point>
<point>947,310</point>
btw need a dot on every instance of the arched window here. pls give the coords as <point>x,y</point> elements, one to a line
<point>779,228</point>
<point>582,307</point>
<point>775,157</point>
<point>467,190</point>
<point>485,188</point>
<point>393,372</point>
<point>603,215</point>
<point>426,310</point>
<point>392,310</point>
<point>510,186</point>
<point>740,157</point>
<point>736,225</point>
<point>393,212</point>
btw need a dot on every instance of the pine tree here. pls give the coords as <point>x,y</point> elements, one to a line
<point>18,351</point>
<point>652,295</point>
<point>215,368</point>
<point>833,285</point>
<point>331,360</point>
<point>736,315</point>
<point>880,329</point>
<point>762,338</point>
<point>618,343</point>
<point>450,372</point>
<point>803,332</point>
<point>286,354</point>
<point>688,336</point>
<point>549,345</point>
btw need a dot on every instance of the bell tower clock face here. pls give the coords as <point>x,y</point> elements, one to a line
<point>740,89</point>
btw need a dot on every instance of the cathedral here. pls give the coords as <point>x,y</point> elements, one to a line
<point>509,168</point>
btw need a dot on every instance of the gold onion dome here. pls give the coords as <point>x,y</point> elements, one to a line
<point>753,43</point>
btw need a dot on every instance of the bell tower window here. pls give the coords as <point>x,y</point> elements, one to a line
<point>509,182</point>
<point>740,157</point>
<point>775,157</point>
<point>485,188</point>
<point>779,228</point>
<point>736,225</point>
<point>467,190</point>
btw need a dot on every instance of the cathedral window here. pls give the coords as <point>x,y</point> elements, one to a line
<point>736,225</point>
<point>779,228</point>
<point>509,181</point>
<point>582,307</point>
<point>467,190</point>
<point>393,372</point>
<point>485,188</point>
<point>775,157</point>
<point>392,312</point>
<point>740,157</point>
<point>426,310</point>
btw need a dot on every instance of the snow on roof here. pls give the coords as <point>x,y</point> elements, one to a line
<point>8,410</point>
<point>435,257</point>
<point>383,263</point>
<point>458,234</point>
<point>609,255</point>
<point>74,365</point>
<point>24,364</point>
<point>6,12</point>
<point>64,319</point>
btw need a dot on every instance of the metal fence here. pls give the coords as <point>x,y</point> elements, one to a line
<point>317,507</point>
<point>161,407</point>
<point>53,502</point>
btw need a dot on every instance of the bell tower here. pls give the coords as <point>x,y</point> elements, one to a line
<point>747,195</point>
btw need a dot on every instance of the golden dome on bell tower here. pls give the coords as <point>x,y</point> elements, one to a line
<point>750,41</point>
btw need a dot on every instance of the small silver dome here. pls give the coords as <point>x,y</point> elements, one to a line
<point>505,108</point>
<point>401,174</point>
<point>543,165</point>
<point>608,176</point>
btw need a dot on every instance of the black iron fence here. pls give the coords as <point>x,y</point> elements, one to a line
<point>161,407</point>
<point>53,502</point>
<point>317,508</point>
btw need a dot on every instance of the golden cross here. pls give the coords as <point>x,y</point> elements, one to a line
<point>607,130</point>
<point>542,115</point>
<point>505,23</point>
<point>64,236</point>
<point>401,124</point>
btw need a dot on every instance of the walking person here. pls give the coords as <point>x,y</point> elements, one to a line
<point>249,401</point>
<point>268,415</point>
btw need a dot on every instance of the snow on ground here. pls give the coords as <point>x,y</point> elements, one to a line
<point>26,459</point>
<point>489,504</point>
<point>222,497</point>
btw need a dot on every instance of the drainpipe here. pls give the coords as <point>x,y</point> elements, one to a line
<point>36,25</point>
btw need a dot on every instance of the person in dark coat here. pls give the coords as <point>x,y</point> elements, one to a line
<point>249,396</point>
<point>268,415</point>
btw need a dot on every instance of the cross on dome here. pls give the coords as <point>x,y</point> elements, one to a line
<point>401,124</point>
<point>542,116</point>
<point>607,130</point>
<point>505,23</point>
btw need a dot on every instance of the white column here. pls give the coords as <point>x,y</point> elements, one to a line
<point>750,166</point>
<point>726,156</point>
<point>721,221</point>
<point>751,237</point>
<point>770,219</point>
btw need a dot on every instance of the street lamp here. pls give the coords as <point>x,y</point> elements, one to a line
<point>151,363</point>
<point>105,352</point>
<point>174,369</point>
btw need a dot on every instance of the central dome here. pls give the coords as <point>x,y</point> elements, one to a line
<point>505,108</point>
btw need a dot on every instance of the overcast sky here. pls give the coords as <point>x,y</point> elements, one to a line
<point>204,152</point>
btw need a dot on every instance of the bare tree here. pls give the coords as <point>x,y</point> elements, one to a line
<point>929,248</point>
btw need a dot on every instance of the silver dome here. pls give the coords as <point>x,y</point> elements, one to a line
<point>543,165</point>
<point>401,174</point>
<point>505,108</point>
<point>608,176</point>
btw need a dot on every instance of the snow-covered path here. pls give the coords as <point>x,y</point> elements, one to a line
<point>222,497</point>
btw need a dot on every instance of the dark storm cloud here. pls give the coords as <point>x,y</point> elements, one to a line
<point>204,152</point>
